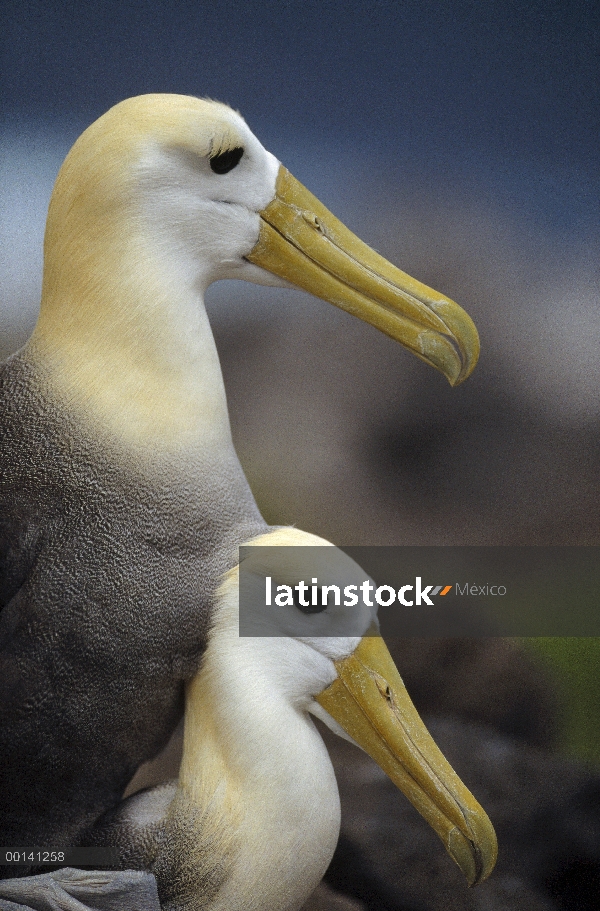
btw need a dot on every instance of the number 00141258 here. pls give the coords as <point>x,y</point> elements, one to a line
<point>32,856</point>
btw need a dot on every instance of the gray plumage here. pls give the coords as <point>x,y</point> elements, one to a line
<point>155,830</point>
<point>107,580</point>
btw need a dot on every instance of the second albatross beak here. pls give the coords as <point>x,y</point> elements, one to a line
<point>302,242</point>
<point>369,700</point>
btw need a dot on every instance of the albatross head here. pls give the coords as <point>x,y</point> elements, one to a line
<point>165,194</point>
<point>333,664</point>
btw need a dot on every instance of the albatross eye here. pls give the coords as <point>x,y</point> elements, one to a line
<point>308,608</point>
<point>226,161</point>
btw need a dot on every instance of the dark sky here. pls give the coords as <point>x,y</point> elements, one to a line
<point>496,79</point>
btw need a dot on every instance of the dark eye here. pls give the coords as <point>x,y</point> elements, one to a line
<point>308,608</point>
<point>226,161</point>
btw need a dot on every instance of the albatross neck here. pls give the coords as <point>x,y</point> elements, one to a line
<point>135,357</point>
<point>251,752</point>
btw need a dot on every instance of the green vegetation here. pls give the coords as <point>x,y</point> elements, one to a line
<point>575,664</point>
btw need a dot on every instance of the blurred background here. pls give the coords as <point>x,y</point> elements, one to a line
<point>461,141</point>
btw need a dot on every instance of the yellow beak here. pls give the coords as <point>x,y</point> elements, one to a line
<point>370,701</point>
<point>302,242</point>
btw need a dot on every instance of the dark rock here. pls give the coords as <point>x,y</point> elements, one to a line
<point>545,809</point>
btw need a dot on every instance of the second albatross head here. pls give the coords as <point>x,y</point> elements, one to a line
<point>179,187</point>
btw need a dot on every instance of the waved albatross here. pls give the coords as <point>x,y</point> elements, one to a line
<point>122,500</point>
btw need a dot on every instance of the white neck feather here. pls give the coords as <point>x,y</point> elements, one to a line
<point>249,744</point>
<point>151,382</point>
